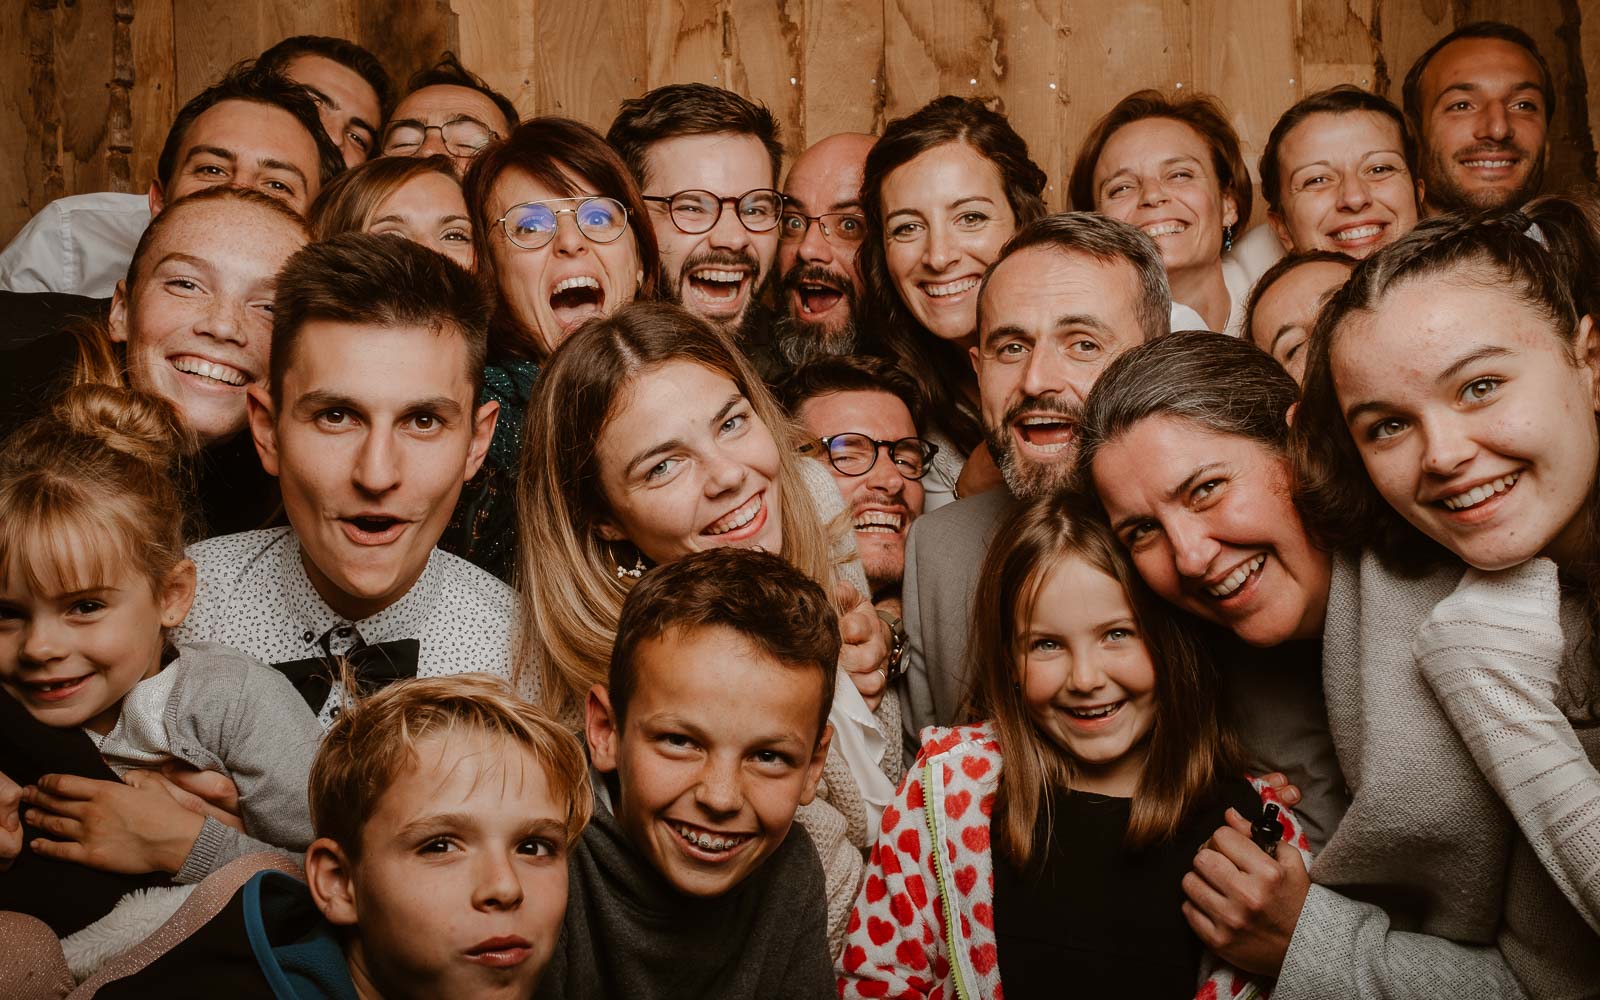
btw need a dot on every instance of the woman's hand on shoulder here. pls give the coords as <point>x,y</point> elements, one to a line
<point>1242,902</point>
<point>865,645</point>
<point>209,793</point>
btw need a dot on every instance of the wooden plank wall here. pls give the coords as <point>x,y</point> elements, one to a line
<point>88,87</point>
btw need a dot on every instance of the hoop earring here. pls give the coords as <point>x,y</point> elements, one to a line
<point>1227,238</point>
<point>636,572</point>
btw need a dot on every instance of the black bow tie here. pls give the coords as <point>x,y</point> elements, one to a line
<point>375,666</point>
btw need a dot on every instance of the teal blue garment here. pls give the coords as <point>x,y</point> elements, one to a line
<point>483,528</point>
<point>297,949</point>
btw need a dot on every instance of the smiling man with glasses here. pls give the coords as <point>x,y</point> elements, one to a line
<point>862,417</point>
<point>707,161</point>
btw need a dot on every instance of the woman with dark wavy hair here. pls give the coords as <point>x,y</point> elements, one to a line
<point>944,189</point>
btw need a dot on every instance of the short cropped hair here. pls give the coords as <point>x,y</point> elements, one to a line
<point>1200,112</point>
<point>780,610</point>
<point>373,280</point>
<point>1339,100</point>
<point>1411,90</point>
<point>1106,240</point>
<point>374,741</point>
<point>448,72</point>
<point>680,109</point>
<point>245,82</point>
<point>342,51</point>
<point>851,373</point>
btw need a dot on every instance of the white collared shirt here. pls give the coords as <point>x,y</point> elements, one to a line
<point>81,245</point>
<point>254,595</point>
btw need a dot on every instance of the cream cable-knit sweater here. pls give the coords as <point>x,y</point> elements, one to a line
<point>1492,653</point>
<point>1427,888</point>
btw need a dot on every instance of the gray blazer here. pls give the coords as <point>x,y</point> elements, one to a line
<point>944,555</point>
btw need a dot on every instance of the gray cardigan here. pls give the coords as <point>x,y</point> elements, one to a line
<point>218,709</point>
<point>1426,889</point>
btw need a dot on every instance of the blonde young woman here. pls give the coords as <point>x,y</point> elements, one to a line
<point>652,438</point>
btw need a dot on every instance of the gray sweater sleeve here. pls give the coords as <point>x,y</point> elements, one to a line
<point>235,715</point>
<point>1346,949</point>
<point>1492,652</point>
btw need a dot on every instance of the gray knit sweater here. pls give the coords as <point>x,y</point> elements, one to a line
<point>1426,889</point>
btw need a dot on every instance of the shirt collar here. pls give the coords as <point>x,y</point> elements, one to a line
<point>404,619</point>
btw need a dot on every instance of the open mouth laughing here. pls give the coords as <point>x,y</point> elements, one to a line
<point>720,289</point>
<point>1166,227</point>
<point>58,689</point>
<point>575,299</point>
<point>1084,716</point>
<point>879,521</point>
<point>1358,234</point>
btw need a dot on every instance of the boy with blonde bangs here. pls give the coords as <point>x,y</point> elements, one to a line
<point>444,810</point>
<point>693,880</point>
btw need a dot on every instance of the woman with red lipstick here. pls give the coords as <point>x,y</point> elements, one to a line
<point>1172,167</point>
<point>1056,834</point>
<point>943,190</point>
<point>1339,173</point>
<point>652,438</point>
<point>1450,415</point>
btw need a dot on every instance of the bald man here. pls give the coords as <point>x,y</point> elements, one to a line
<point>822,230</point>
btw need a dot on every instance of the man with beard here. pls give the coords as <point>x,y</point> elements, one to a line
<point>707,161</point>
<point>821,280</point>
<point>1481,101</point>
<point>863,418</point>
<point>1067,294</point>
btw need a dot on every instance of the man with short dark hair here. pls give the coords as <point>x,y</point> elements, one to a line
<point>448,109</point>
<point>371,424</point>
<point>252,129</point>
<point>707,161</point>
<point>1067,294</point>
<point>1481,100</point>
<point>863,417</point>
<point>350,86</point>
<point>821,234</point>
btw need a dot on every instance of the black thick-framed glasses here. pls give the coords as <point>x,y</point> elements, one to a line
<point>845,229</point>
<point>533,224</point>
<point>696,211</point>
<point>462,136</point>
<point>854,454</point>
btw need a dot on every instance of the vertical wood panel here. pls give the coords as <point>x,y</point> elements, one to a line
<point>589,89</point>
<point>844,85</point>
<point>1108,51</point>
<point>152,97</point>
<point>89,87</point>
<point>1250,64</point>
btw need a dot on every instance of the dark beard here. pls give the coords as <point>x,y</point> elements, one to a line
<point>1031,480</point>
<point>800,342</point>
<point>1442,194</point>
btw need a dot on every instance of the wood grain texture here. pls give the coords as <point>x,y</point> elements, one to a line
<point>89,87</point>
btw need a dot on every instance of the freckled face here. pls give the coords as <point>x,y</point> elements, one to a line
<point>1473,418</point>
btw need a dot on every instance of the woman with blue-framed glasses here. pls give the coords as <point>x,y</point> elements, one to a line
<point>557,220</point>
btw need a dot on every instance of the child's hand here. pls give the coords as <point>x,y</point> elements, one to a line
<point>109,825</point>
<point>1243,903</point>
<point>10,821</point>
<point>864,647</point>
<point>208,793</point>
